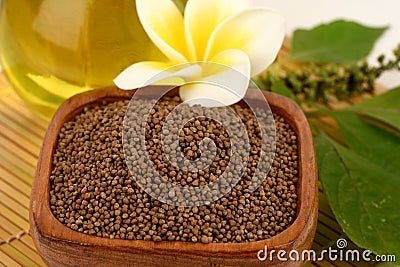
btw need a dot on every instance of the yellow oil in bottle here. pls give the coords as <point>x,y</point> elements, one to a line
<point>53,49</point>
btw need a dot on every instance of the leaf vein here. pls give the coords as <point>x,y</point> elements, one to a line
<point>347,170</point>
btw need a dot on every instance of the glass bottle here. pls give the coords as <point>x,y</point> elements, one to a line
<point>53,49</point>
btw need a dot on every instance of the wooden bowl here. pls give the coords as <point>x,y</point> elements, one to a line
<point>62,246</point>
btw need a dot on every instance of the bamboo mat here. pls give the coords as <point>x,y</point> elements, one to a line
<point>21,133</point>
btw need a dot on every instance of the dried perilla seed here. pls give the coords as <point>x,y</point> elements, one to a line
<point>93,192</point>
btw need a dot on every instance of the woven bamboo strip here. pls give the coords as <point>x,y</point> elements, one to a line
<point>8,178</point>
<point>332,225</point>
<point>8,227</point>
<point>15,206</point>
<point>17,256</point>
<point>30,125</point>
<point>16,168</point>
<point>27,251</point>
<point>27,240</point>
<point>15,178</point>
<point>13,102</point>
<point>321,239</point>
<point>19,140</point>
<point>35,138</point>
<point>7,261</point>
<point>7,237</point>
<point>316,246</point>
<point>13,194</point>
<point>14,233</point>
<point>28,168</point>
<point>21,235</point>
<point>13,216</point>
<point>22,153</point>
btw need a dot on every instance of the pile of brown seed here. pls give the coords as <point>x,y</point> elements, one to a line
<point>93,192</point>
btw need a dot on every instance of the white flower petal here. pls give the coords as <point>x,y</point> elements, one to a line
<point>163,23</point>
<point>259,32</point>
<point>207,95</point>
<point>224,82</point>
<point>145,73</point>
<point>186,71</point>
<point>202,17</point>
<point>231,60</point>
<point>138,75</point>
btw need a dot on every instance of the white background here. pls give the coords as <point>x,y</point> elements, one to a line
<point>376,13</point>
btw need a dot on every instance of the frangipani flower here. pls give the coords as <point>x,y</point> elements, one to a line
<point>228,33</point>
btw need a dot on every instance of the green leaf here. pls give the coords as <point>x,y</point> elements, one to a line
<point>369,141</point>
<point>337,42</point>
<point>362,183</point>
<point>385,108</point>
<point>281,88</point>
